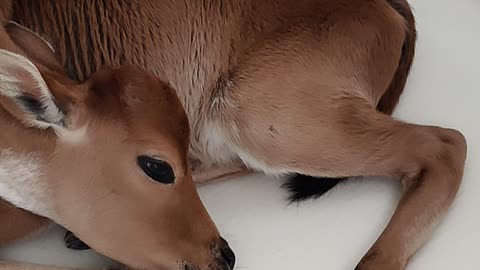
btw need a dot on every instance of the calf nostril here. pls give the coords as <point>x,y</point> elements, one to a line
<point>227,253</point>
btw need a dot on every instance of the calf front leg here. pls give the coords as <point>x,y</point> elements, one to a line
<point>202,174</point>
<point>5,265</point>
<point>16,223</point>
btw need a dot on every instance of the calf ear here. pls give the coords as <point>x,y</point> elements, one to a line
<point>36,47</point>
<point>25,94</point>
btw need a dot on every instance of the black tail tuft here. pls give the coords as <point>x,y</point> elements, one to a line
<point>304,187</point>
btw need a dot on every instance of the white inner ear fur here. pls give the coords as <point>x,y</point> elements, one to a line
<point>10,86</point>
<point>21,183</point>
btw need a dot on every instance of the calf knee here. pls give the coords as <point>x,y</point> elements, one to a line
<point>439,157</point>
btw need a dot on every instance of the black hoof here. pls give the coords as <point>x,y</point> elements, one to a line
<point>72,242</point>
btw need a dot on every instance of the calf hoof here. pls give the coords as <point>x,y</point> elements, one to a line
<point>72,242</point>
<point>375,261</point>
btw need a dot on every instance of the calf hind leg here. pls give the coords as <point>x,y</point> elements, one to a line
<point>429,161</point>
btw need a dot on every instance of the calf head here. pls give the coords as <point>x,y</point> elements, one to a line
<point>111,162</point>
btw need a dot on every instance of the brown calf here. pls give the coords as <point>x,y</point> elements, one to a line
<point>276,86</point>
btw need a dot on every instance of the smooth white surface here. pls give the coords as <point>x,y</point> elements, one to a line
<point>334,232</point>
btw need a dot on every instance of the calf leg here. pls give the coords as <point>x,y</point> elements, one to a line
<point>356,140</point>
<point>305,103</point>
<point>16,223</point>
<point>27,266</point>
<point>204,174</point>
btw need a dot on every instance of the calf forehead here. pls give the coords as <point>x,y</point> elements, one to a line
<point>154,109</point>
<point>21,182</point>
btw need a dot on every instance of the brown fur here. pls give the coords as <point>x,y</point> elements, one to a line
<point>391,97</point>
<point>263,84</point>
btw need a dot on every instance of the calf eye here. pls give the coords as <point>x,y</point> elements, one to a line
<point>156,169</point>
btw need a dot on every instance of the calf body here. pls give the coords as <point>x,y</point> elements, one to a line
<point>266,84</point>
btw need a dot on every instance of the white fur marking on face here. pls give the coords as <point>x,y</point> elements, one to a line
<point>21,183</point>
<point>76,136</point>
